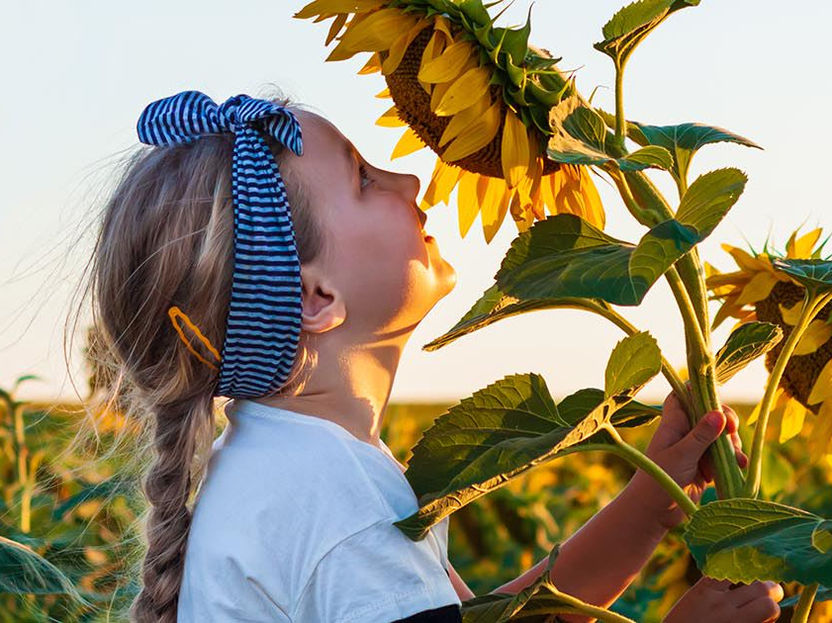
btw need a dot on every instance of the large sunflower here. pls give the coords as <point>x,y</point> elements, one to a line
<point>477,95</point>
<point>757,291</point>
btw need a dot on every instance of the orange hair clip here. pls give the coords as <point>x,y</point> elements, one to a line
<point>174,312</point>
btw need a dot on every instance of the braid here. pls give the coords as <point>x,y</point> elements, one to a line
<point>168,488</point>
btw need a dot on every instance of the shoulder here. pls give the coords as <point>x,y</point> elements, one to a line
<point>275,499</point>
<point>291,469</point>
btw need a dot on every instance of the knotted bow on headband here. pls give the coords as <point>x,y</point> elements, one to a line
<point>264,315</point>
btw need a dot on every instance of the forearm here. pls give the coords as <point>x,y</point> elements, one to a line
<point>599,561</point>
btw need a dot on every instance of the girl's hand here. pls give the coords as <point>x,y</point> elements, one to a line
<point>679,451</point>
<point>716,601</point>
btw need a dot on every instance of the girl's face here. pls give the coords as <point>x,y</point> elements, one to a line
<point>377,257</point>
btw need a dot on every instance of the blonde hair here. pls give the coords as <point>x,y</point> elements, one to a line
<point>166,238</point>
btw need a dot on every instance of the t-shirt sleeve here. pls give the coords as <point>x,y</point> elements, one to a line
<point>375,575</point>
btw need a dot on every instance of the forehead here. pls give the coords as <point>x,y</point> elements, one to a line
<point>325,169</point>
<point>322,140</point>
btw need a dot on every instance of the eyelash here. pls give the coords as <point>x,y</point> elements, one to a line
<point>362,170</point>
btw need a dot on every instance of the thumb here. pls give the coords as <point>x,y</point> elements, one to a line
<point>706,431</point>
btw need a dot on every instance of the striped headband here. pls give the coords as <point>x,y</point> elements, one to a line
<point>264,316</point>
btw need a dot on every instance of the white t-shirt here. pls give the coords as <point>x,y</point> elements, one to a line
<point>294,523</point>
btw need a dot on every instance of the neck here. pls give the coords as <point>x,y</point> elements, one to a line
<point>350,385</point>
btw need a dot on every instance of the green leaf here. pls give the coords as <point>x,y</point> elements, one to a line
<point>579,136</point>
<point>683,141</point>
<point>744,345</point>
<point>500,607</point>
<point>709,198</point>
<point>536,603</point>
<point>634,22</point>
<point>564,256</point>
<point>516,41</point>
<point>650,156</point>
<point>743,540</point>
<point>634,361</point>
<point>814,275</point>
<point>23,571</point>
<point>493,305</point>
<point>499,433</point>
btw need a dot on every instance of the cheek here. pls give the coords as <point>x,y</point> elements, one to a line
<point>385,265</point>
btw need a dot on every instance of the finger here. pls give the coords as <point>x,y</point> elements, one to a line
<point>746,593</point>
<point>706,431</point>
<point>733,423</point>
<point>763,609</point>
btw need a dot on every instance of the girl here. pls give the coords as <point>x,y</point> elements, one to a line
<point>312,288</point>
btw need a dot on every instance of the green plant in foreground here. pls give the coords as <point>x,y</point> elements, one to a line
<point>514,425</point>
<point>61,521</point>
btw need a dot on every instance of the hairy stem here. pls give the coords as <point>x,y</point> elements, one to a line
<point>804,604</point>
<point>620,122</point>
<point>642,461</point>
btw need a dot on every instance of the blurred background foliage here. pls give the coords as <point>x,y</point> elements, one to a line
<point>80,510</point>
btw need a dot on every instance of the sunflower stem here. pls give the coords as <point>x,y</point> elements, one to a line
<point>811,307</point>
<point>650,208</point>
<point>702,371</point>
<point>643,462</point>
<point>620,122</point>
<point>804,604</point>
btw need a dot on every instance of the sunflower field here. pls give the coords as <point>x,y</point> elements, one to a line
<point>81,521</point>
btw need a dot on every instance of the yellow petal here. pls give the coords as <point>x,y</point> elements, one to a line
<point>523,218</point>
<point>372,65</point>
<point>593,207</point>
<point>337,6</point>
<point>465,90</point>
<point>408,143</point>
<point>447,65</point>
<point>514,151</point>
<point>816,335</point>
<point>493,195</point>
<point>802,247</point>
<point>399,47</point>
<point>791,422</point>
<point>820,439</point>
<point>476,136</point>
<point>746,261</point>
<point>434,47</point>
<point>442,25</point>
<point>335,28</point>
<point>757,289</point>
<point>574,192</point>
<point>791,314</point>
<point>464,119</point>
<point>469,205</point>
<point>384,93</point>
<point>373,33</point>
<point>442,183</point>
<point>390,119</point>
<point>822,389</point>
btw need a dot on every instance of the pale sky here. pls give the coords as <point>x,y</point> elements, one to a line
<point>78,74</point>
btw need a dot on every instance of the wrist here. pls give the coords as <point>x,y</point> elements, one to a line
<point>650,502</point>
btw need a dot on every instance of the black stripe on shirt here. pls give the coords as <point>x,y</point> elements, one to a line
<point>445,614</point>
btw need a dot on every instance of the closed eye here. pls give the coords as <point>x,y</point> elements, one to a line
<point>363,174</point>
